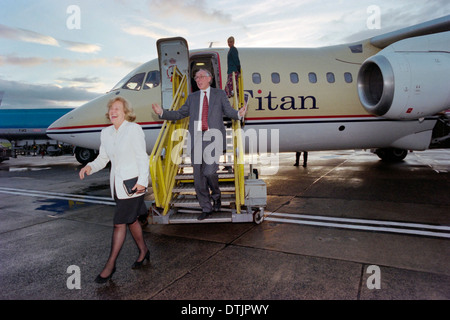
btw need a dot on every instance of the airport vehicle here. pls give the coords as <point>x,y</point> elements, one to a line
<point>5,153</point>
<point>26,130</point>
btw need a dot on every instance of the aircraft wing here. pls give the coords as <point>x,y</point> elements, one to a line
<point>429,27</point>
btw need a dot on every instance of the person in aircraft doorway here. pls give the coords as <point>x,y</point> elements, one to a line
<point>234,65</point>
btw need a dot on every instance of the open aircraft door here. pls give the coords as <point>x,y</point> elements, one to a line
<point>171,52</point>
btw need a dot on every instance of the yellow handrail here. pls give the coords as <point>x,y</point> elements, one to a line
<point>167,150</point>
<point>238,151</point>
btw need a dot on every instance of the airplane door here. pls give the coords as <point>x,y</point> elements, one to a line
<point>171,52</point>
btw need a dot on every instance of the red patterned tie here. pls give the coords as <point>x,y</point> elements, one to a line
<point>205,113</point>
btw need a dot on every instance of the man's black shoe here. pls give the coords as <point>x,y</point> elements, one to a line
<point>217,205</point>
<point>204,215</point>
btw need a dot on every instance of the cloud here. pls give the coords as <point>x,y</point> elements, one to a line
<point>142,31</point>
<point>23,95</point>
<point>34,37</point>
<point>192,10</point>
<point>81,47</point>
<point>81,79</point>
<point>27,36</point>
<point>13,59</point>
<point>73,81</point>
<point>107,62</point>
<point>20,61</point>
<point>151,29</point>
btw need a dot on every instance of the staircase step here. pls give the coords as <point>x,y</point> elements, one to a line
<point>190,176</point>
<point>189,188</point>
<point>187,165</point>
<point>191,202</point>
<point>192,217</point>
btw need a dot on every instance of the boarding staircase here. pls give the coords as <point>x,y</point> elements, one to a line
<point>172,173</point>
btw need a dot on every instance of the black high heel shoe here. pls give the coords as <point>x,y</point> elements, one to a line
<point>102,280</point>
<point>138,264</point>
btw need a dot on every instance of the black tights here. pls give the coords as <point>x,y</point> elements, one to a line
<point>118,238</point>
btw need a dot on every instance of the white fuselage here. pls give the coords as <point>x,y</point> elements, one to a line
<point>306,99</point>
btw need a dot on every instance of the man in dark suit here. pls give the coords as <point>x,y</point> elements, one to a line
<point>206,131</point>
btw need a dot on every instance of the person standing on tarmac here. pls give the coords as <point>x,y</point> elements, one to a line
<point>123,144</point>
<point>297,158</point>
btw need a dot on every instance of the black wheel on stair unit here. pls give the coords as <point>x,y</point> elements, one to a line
<point>258,215</point>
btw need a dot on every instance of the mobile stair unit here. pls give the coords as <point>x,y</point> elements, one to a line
<point>243,197</point>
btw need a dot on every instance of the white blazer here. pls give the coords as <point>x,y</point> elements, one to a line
<point>126,149</point>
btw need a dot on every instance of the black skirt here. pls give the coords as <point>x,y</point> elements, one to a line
<point>128,210</point>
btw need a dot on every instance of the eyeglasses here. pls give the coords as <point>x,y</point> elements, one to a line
<point>200,77</point>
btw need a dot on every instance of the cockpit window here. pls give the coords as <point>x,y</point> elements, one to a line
<point>135,82</point>
<point>122,82</point>
<point>153,80</point>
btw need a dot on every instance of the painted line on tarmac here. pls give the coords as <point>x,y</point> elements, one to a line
<point>361,224</point>
<point>57,195</point>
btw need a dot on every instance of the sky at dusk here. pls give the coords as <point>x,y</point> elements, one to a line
<point>58,53</point>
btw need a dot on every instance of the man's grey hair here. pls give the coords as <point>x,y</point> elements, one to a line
<point>207,73</point>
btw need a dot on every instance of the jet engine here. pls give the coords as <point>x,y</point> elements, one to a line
<point>409,79</point>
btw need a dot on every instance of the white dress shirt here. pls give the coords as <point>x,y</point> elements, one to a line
<point>125,147</point>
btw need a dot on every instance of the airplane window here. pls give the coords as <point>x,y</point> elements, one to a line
<point>294,77</point>
<point>275,77</point>
<point>348,77</point>
<point>312,77</point>
<point>330,77</point>
<point>122,82</point>
<point>153,80</point>
<point>256,78</point>
<point>135,82</point>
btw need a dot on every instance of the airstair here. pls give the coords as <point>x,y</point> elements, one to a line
<point>243,197</point>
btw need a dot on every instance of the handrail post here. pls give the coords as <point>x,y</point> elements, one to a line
<point>162,166</point>
<point>238,102</point>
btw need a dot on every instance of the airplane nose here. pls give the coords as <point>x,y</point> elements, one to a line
<point>81,126</point>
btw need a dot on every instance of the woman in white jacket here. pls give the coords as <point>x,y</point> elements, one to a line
<point>123,144</point>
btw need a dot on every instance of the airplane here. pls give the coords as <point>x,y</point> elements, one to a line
<point>387,93</point>
<point>26,129</point>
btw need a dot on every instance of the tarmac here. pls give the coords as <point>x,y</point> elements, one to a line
<point>346,227</point>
